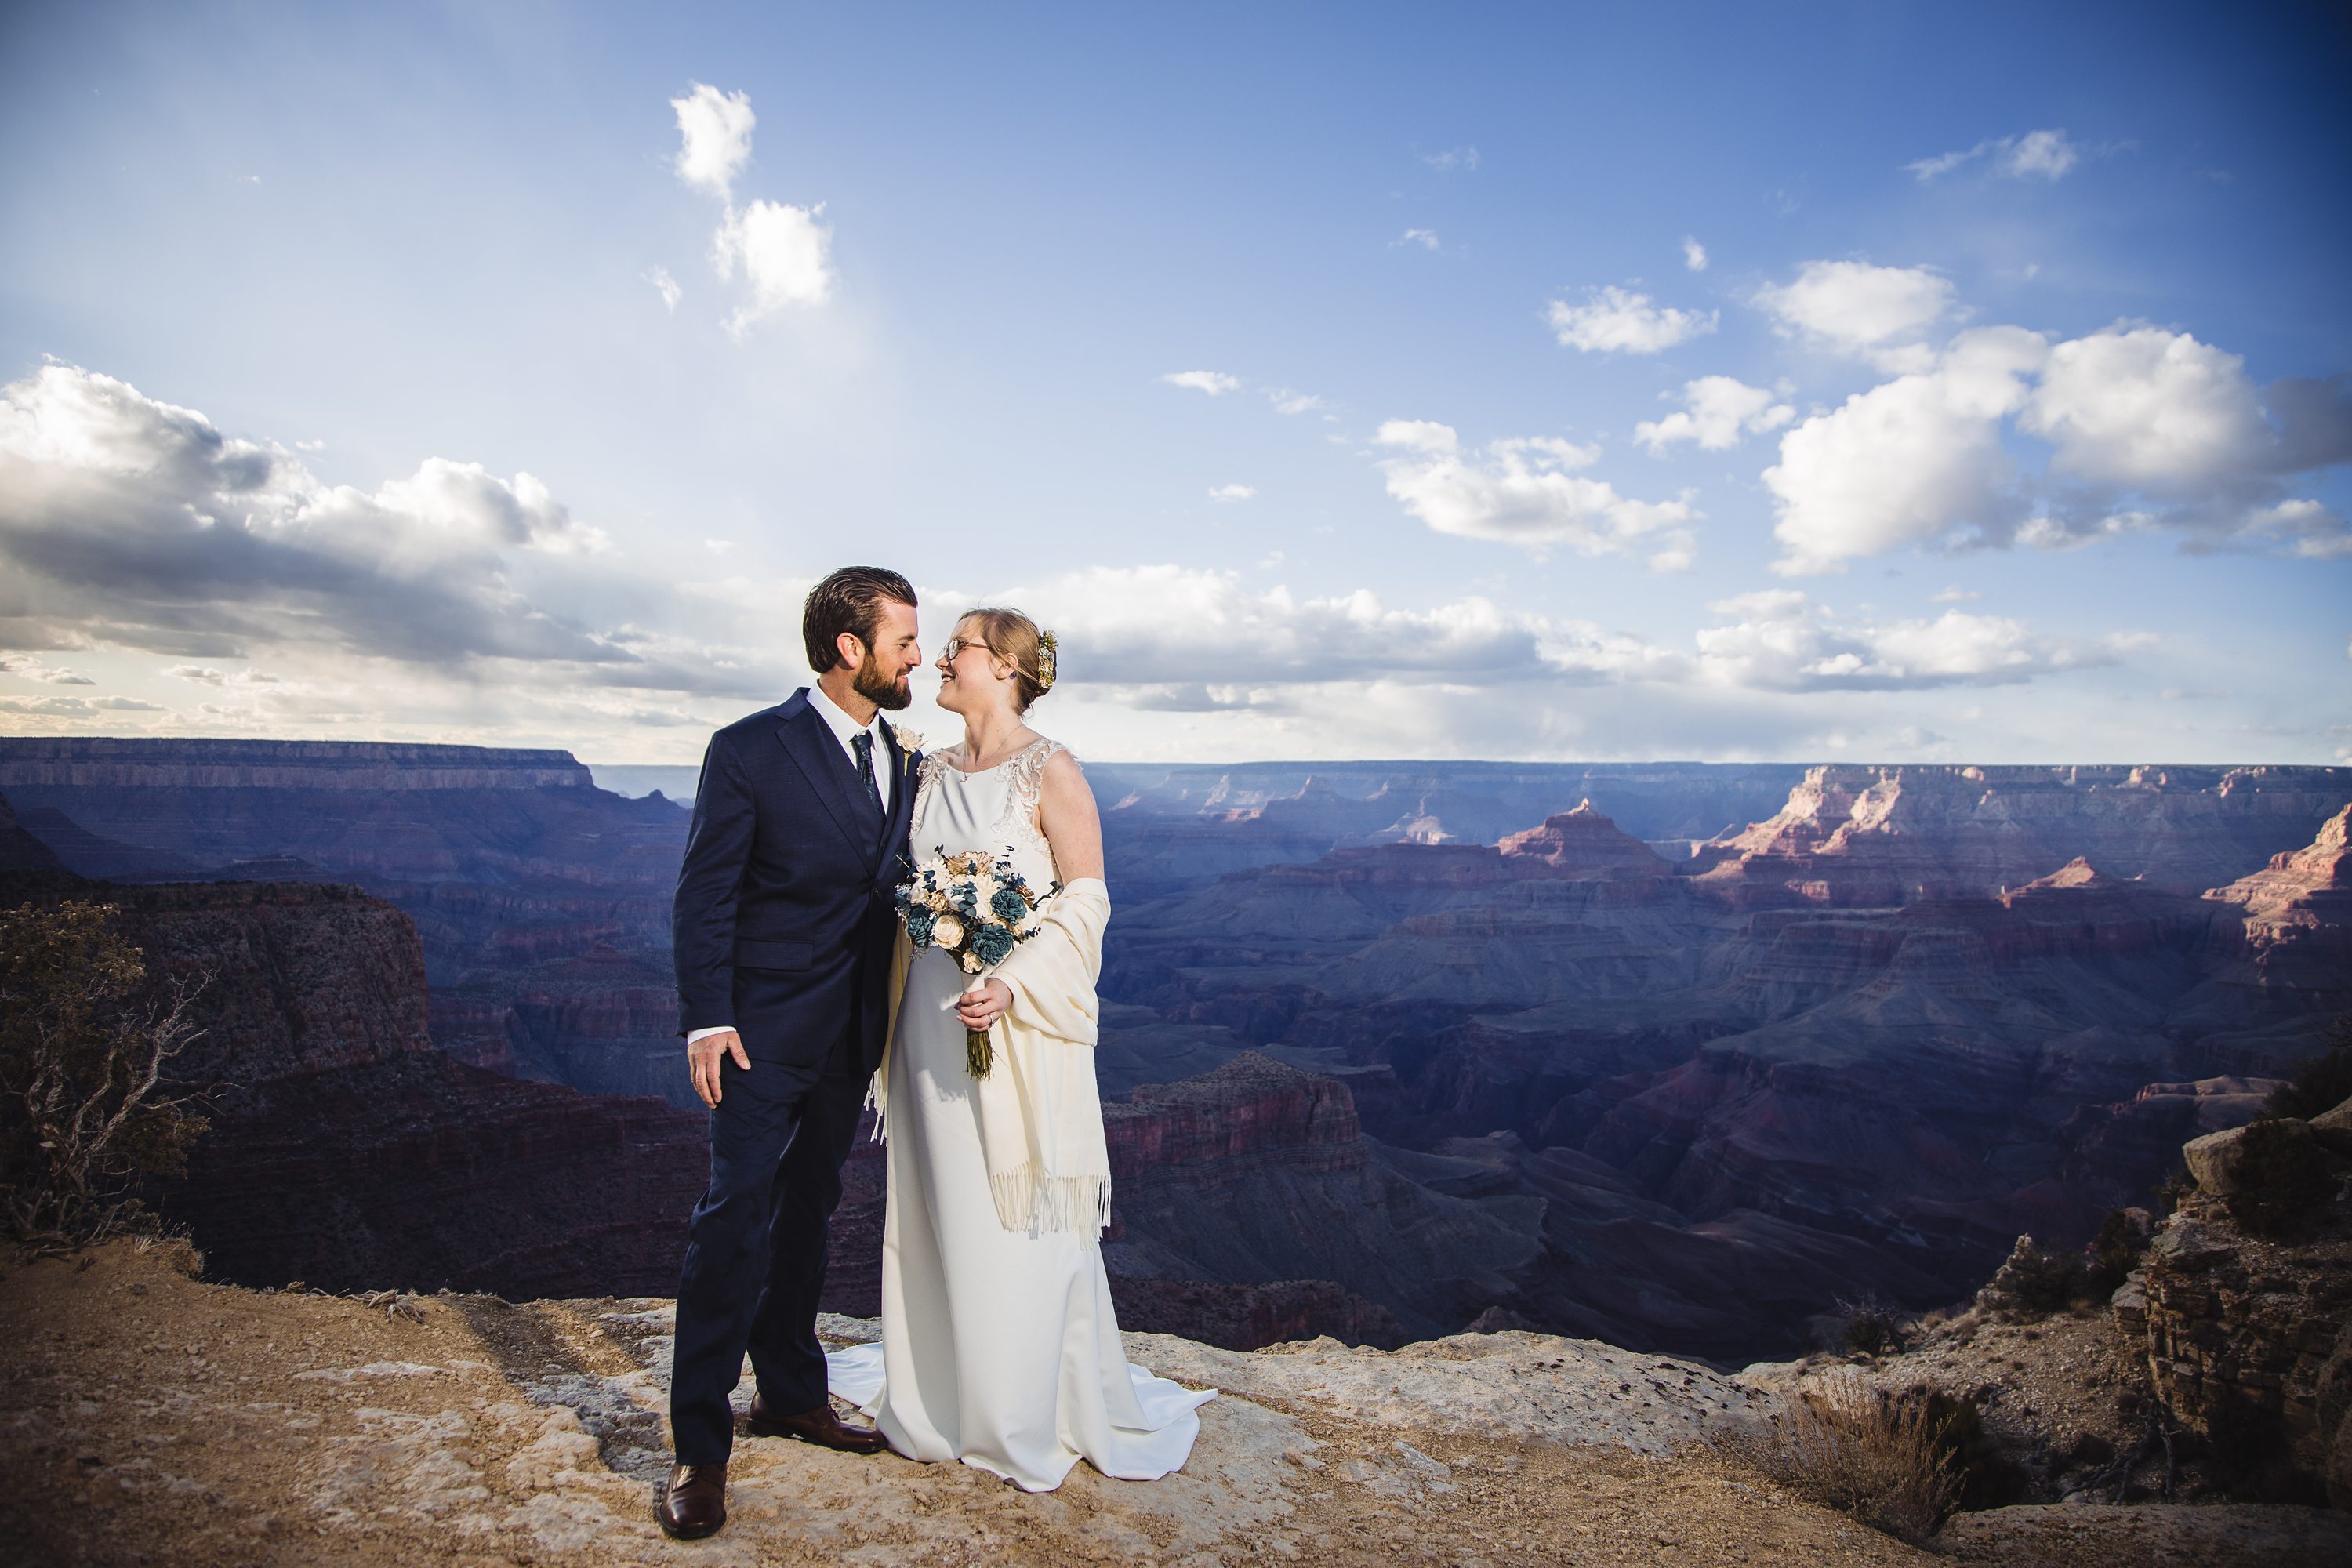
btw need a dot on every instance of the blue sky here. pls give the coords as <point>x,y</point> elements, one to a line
<point>1339,380</point>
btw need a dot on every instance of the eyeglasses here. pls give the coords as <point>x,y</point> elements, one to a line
<point>954,646</point>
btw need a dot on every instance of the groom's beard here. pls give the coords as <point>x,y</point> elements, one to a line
<point>883,692</point>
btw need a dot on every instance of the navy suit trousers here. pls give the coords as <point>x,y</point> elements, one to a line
<point>755,1250</point>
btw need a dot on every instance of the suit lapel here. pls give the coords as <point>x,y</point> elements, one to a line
<point>810,743</point>
<point>902,799</point>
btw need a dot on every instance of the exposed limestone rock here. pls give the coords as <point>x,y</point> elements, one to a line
<point>2296,917</point>
<point>2217,1159</point>
<point>2250,1341</point>
<point>149,1417</point>
<point>1584,843</point>
<point>1859,836</point>
<point>1211,1129</point>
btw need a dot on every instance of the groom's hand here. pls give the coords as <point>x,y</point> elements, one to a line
<point>702,1061</point>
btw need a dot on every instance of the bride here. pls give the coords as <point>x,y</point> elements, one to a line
<point>1000,1346</point>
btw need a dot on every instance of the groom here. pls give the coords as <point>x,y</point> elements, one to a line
<point>782,928</point>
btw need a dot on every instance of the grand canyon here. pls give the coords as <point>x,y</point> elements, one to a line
<point>1675,1056</point>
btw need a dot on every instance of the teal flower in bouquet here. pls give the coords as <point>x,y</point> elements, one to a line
<point>974,909</point>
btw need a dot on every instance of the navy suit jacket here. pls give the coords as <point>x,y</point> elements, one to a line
<point>784,921</point>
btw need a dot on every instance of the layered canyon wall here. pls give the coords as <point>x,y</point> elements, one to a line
<point>1679,1076</point>
<point>345,1151</point>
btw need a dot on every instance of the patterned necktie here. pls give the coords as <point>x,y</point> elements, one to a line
<point>863,744</point>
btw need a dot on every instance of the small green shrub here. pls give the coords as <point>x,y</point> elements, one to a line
<point>1868,1324</point>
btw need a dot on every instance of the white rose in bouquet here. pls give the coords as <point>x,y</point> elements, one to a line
<point>947,932</point>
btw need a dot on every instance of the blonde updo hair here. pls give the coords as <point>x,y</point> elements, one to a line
<point>1015,638</point>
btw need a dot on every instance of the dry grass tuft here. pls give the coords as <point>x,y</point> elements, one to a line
<point>1882,1460</point>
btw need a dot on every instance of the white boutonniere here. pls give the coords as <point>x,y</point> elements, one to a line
<point>909,741</point>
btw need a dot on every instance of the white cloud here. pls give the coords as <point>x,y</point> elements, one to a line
<point>1232,492</point>
<point>1177,628</point>
<point>74,707</point>
<point>1215,382</point>
<point>2034,156</point>
<point>1446,163</point>
<point>2151,429</point>
<point>1716,410</point>
<point>715,135</point>
<point>1854,308</point>
<point>1288,401</point>
<point>27,667</point>
<point>1420,435</point>
<point>2040,154</point>
<point>1172,640</point>
<point>1953,595</point>
<point>198,673</point>
<point>134,522</point>
<point>2300,527</point>
<point>1915,460</point>
<point>2175,425</point>
<point>1424,237</point>
<point>1780,641</point>
<point>1523,492</point>
<point>1616,321</point>
<point>786,254</point>
<point>2148,409</point>
<point>1693,255</point>
<point>1926,169</point>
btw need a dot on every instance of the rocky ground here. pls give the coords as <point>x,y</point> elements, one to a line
<point>149,1418</point>
<point>2060,1396</point>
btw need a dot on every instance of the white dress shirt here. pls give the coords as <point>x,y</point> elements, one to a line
<point>846,730</point>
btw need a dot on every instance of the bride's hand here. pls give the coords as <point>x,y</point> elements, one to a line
<point>984,1004</point>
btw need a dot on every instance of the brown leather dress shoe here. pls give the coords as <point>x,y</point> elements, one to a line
<point>694,1503</point>
<point>819,1425</point>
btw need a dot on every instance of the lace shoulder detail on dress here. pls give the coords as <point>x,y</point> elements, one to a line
<point>927,779</point>
<point>1026,773</point>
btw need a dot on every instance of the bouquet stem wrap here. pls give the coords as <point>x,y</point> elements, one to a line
<point>978,1057</point>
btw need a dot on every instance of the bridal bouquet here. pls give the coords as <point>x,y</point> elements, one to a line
<point>974,909</point>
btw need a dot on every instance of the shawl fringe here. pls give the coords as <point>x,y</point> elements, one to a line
<point>1029,1200</point>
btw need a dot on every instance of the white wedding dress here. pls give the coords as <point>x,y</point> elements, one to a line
<point>999,1347</point>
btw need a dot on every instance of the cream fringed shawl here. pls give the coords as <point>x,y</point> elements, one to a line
<point>1041,1127</point>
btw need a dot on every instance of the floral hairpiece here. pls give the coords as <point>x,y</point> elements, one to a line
<point>1047,650</point>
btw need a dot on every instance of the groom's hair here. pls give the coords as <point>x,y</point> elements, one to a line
<point>849,600</point>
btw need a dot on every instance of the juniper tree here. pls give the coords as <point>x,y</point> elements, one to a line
<point>83,1043</point>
